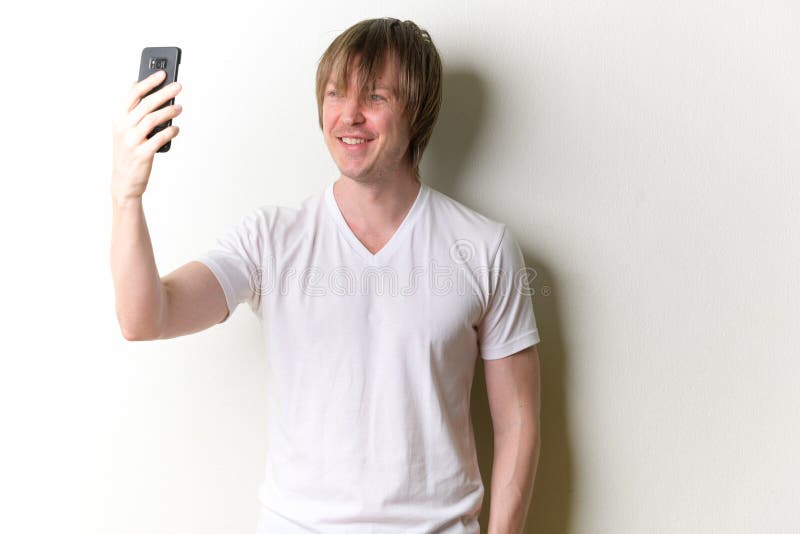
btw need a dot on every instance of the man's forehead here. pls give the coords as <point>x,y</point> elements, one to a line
<point>383,78</point>
<point>377,83</point>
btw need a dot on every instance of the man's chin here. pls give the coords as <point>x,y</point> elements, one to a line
<point>359,178</point>
<point>359,175</point>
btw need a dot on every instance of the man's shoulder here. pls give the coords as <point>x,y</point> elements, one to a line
<point>285,216</point>
<point>462,221</point>
<point>460,211</point>
<point>271,226</point>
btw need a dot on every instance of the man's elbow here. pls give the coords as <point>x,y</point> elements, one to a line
<point>133,334</point>
<point>129,335</point>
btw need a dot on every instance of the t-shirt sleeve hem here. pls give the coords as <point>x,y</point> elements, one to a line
<point>219,273</point>
<point>510,347</point>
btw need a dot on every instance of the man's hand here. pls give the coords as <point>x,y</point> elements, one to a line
<point>133,152</point>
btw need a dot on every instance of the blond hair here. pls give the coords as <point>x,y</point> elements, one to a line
<point>420,72</point>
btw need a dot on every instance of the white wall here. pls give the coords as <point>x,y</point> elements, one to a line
<point>645,153</point>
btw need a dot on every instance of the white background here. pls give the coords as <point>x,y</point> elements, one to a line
<point>645,154</point>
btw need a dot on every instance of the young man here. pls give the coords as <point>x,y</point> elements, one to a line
<point>379,293</point>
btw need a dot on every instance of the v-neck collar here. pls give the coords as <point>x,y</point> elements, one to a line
<point>391,245</point>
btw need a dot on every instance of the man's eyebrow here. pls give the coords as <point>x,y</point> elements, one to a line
<point>385,88</point>
<point>331,83</point>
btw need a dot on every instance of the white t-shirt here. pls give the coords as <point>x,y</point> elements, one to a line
<point>371,359</point>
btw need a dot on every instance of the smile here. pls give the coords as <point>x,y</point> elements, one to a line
<point>353,141</point>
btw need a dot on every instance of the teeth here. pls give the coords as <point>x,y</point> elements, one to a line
<point>352,141</point>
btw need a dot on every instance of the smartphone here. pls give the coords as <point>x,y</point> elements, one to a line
<point>155,58</point>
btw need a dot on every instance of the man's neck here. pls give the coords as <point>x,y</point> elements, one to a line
<point>375,208</point>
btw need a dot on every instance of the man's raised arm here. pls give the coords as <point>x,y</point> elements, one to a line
<point>190,298</point>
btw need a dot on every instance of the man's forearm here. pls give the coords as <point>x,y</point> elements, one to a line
<point>516,457</point>
<point>138,289</point>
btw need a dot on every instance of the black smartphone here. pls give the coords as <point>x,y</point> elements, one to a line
<point>166,58</point>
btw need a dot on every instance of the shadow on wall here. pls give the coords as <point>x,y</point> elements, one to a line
<point>450,152</point>
<point>460,119</point>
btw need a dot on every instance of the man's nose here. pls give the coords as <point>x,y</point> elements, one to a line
<point>352,112</point>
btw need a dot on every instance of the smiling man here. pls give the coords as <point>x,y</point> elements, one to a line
<point>369,426</point>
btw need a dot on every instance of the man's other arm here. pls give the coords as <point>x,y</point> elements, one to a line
<point>513,389</point>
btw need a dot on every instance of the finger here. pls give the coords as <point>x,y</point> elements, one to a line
<point>160,139</point>
<point>154,101</point>
<point>142,87</point>
<point>155,118</point>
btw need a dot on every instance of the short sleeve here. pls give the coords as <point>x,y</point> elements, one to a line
<point>236,261</point>
<point>508,324</point>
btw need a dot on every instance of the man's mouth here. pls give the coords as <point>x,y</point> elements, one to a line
<point>353,141</point>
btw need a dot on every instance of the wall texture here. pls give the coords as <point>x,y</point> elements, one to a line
<point>644,153</point>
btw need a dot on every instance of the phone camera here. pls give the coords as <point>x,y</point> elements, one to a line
<point>157,63</point>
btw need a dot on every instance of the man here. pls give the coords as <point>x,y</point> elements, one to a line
<point>369,426</point>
